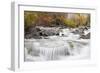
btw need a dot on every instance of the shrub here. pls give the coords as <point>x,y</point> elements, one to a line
<point>70,23</point>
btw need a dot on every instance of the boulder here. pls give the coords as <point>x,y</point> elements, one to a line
<point>87,36</point>
<point>39,32</point>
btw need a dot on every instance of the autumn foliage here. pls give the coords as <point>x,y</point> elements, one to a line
<point>52,19</point>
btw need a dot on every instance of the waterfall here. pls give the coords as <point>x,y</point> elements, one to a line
<point>51,52</point>
<point>57,48</point>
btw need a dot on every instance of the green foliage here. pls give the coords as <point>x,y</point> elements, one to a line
<point>70,23</point>
<point>30,18</point>
<point>51,19</point>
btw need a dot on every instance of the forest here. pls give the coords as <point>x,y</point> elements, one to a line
<point>55,19</point>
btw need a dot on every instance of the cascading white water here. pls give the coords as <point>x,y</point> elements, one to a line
<point>57,47</point>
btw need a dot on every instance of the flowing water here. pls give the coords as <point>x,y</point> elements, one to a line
<point>57,48</point>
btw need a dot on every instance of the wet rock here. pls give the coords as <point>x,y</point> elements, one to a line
<point>39,31</point>
<point>87,36</point>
